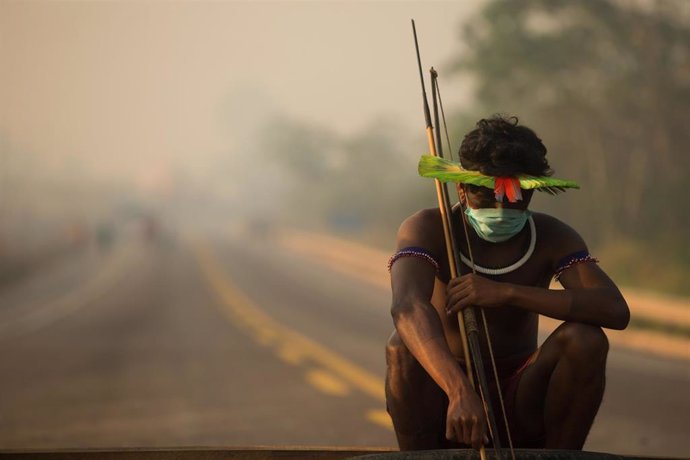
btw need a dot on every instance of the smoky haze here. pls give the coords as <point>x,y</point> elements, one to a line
<point>127,101</point>
<point>198,200</point>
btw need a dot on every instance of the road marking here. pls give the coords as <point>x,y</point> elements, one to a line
<point>381,418</point>
<point>289,345</point>
<point>291,355</point>
<point>327,383</point>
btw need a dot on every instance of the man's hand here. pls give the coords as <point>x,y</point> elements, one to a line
<point>465,421</point>
<point>474,290</point>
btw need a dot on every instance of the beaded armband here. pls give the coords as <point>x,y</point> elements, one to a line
<point>413,252</point>
<point>571,260</point>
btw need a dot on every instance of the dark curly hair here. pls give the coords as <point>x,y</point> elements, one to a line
<point>498,146</point>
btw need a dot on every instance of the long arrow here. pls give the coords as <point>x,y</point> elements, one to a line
<point>469,331</point>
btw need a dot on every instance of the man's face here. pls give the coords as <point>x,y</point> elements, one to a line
<point>482,197</point>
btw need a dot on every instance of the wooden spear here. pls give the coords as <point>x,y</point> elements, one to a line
<point>468,323</point>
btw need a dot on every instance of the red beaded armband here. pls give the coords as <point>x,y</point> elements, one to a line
<point>571,260</point>
<point>413,252</point>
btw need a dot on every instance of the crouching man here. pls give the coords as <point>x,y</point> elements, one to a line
<point>551,393</point>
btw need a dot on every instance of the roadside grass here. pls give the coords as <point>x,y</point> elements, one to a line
<point>661,327</point>
<point>643,265</point>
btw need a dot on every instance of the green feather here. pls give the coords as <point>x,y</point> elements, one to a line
<point>548,184</point>
<point>448,171</point>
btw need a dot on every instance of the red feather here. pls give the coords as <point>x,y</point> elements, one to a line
<point>499,189</point>
<point>510,186</point>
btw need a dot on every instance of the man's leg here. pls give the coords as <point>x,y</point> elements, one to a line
<point>559,395</point>
<point>414,401</point>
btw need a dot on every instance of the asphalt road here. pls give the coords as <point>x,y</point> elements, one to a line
<point>222,341</point>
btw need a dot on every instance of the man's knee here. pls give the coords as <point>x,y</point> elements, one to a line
<point>405,377</point>
<point>415,403</point>
<point>397,354</point>
<point>580,341</point>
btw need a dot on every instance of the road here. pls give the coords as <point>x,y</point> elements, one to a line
<point>227,341</point>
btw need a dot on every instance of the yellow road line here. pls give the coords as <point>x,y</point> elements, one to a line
<point>288,344</point>
<point>380,417</point>
<point>327,382</point>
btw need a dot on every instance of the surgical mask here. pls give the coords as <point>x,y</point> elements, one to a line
<point>497,224</point>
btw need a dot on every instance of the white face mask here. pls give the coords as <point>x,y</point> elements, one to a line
<point>497,224</point>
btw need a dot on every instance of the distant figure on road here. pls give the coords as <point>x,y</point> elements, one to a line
<point>552,393</point>
<point>105,235</point>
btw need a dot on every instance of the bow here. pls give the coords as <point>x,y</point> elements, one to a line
<point>469,330</point>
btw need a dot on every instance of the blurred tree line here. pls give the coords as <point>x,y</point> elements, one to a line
<point>361,184</point>
<point>604,83</point>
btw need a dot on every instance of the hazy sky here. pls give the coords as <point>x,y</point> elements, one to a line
<point>108,84</point>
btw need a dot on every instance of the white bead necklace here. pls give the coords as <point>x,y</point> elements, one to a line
<point>509,268</point>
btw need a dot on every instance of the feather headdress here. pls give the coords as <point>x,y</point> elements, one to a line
<point>449,171</point>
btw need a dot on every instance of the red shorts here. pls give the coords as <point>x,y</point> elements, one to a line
<point>509,380</point>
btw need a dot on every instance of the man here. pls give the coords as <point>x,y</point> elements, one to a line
<point>551,393</point>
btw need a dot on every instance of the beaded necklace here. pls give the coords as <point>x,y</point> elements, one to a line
<point>512,267</point>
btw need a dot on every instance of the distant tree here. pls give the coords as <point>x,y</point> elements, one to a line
<point>607,86</point>
<point>363,181</point>
<point>294,163</point>
<point>381,176</point>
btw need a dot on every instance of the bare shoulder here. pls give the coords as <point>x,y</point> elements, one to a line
<point>423,229</point>
<point>558,239</point>
<point>412,278</point>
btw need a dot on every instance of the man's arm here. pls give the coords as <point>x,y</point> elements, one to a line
<point>420,328</point>
<point>590,296</point>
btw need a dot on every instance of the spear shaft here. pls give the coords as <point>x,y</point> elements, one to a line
<point>469,315</point>
<point>467,320</point>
